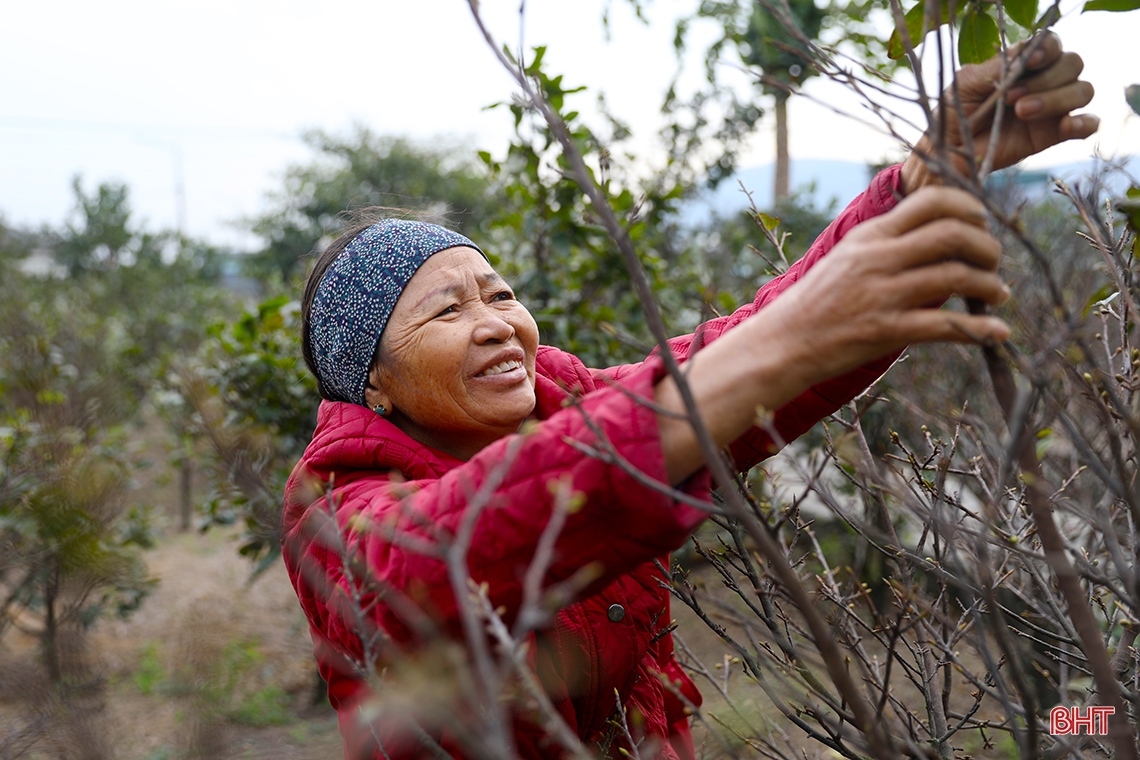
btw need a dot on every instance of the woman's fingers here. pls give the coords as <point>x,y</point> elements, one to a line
<point>931,225</point>
<point>976,81</point>
<point>1054,102</point>
<point>944,240</point>
<point>924,206</point>
<point>937,282</point>
<point>876,291</point>
<point>1064,70</point>
<point>1046,53</point>
<point>1078,127</point>
<point>929,325</point>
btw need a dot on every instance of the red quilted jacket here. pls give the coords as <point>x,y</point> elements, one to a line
<point>385,484</point>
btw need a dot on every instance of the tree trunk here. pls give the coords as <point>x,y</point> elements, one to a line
<point>320,690</point>
<point>50,637</point>
<point>783,168</point>
<point>186,506</point>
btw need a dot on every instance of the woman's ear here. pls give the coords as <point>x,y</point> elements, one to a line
<point>374,394</point>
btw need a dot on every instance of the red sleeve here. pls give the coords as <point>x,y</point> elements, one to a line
<point>797,416</point>
<point>619,523</point>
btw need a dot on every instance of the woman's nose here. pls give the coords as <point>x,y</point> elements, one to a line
<point>493,327</point>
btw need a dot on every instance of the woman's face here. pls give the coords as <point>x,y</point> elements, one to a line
<point>457,356</point>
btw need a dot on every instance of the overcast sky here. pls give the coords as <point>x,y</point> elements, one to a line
<point>220,90</point>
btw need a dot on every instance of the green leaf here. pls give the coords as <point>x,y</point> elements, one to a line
<point>1132,95</point>
<point>536,63</point>
<point>1051,16</point>
<point>1105,293</point>
<point>770,222</point>
<point>978,37</point>
<point>916,28</point>
<point>272,306</point>
<point>48,397</point>
<point>1116,6</point>
<point>1023,12</point>
<point>1130,208</point>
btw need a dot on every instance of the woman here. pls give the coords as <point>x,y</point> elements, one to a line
<point>431,369</point>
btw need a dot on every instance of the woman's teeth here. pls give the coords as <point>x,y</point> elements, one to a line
<point>500,368</point>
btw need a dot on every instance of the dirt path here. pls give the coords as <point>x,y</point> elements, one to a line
<point>210,659</point>
<point>215,660</point>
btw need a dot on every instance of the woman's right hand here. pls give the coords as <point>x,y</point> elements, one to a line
<point>877,291</point>
<point>881,287</point>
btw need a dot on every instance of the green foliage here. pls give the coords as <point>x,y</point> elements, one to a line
<point>268,706</point>
<point>564,265</point>
<point>101,237</point>
<point>77,358</point>
<point>781,44</point>
<point>1116,6</point>
<point>66,560</point>
<point>360,170</point>
<point>1132,96</point>
<point>261,375</point>
<point>1023,12</point>
<point>1130,207</point>
<point>917,25</point>
<point>149,675</point>
<point>228,683</point>
<point>255,402</point>
<point>225,687</point>
<point>978,36</point>
<point>15,245</point>
<point>766,44</point>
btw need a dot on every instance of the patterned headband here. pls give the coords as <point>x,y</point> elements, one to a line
<point>356,296</point>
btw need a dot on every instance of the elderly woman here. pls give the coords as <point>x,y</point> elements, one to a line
<point>431,369</point>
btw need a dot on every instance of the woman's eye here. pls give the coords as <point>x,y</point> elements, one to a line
<point>504,295</point>
<point>448,310</point>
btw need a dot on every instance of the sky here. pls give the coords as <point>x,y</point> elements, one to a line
<point>199,106</point>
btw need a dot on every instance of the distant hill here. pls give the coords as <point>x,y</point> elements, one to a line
<point>841,181</point>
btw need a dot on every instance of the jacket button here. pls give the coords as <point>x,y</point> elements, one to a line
<point>616,613</point>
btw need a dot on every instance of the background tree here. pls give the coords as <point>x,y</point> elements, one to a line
<point>359,170</point>
<point>777,43</point>
<point>80,356</point>
<point>764,45</point>
<point>98,235</point>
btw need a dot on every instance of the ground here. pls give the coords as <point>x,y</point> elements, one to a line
<point>216,658</point>
<point>211,658</point>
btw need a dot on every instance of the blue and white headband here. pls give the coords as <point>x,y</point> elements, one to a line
<point>356,296</point>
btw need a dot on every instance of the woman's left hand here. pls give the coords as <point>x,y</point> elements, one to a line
<point>1038,114</point>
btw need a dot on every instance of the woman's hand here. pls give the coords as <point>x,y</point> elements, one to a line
<point>1040,114</point>
<point>877,291</point>
<point>881,288</point>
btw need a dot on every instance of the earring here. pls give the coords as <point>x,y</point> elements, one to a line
<point>379,409</point>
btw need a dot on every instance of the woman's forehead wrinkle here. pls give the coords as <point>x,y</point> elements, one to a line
<point>451,289</point>
<point>492,278</point>
<point>455,288</point>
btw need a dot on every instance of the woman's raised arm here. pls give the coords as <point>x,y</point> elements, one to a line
<point>874,294</point>
<point>871,297</point>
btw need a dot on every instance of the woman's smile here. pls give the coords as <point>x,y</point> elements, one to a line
<point>513,365</point>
